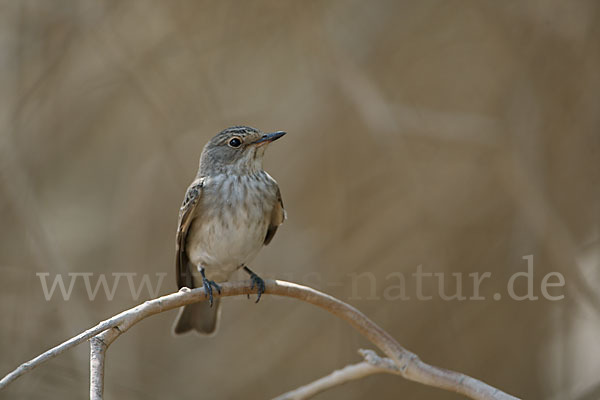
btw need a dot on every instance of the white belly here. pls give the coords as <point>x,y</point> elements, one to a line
<point>222,248</point>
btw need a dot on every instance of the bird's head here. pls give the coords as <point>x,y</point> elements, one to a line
<point>236,150</point>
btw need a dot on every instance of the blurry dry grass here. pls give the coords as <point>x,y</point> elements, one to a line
<point>457,135</point>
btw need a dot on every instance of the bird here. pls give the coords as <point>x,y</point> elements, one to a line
<point>230,211</point>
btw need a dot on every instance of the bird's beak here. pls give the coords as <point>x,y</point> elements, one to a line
<point>269,137</point>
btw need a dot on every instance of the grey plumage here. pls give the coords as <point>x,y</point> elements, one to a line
<point>229,212</point>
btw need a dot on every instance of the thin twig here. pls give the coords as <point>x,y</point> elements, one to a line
<point>372,364</point>
<point>97,353</point>
<point>409,365</point>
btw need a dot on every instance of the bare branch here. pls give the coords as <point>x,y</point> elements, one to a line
<point>97,353</point>
<point>409,365</point>
<point>373,364</point>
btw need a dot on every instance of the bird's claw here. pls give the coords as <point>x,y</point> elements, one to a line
<point>260,285</point>
<point>257,282</point>
<point>208,288</point>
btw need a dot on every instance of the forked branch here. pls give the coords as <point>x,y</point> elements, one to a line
<point>372,364</point>
<point>407,363</point>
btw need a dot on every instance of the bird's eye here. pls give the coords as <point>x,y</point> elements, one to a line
<point>235,142</point>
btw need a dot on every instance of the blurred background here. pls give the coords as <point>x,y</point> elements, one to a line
<point>456,136</point>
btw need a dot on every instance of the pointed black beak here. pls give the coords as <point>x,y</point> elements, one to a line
<point>270,137</point>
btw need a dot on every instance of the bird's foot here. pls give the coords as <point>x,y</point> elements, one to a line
<point>208,287</point>
<point>257,282</point>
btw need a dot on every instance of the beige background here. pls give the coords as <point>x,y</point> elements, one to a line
<point>460,136</point>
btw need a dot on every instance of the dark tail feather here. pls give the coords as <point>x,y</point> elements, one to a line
<point>199,317</point>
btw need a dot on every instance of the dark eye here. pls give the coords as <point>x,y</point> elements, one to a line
<point>235,142</point>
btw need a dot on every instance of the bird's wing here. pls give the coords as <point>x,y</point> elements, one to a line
<point>277,217</point>
<point>187,213</point>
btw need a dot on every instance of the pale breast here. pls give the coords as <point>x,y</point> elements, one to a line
<point>232,221</point>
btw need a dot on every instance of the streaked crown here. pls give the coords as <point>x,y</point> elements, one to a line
<point>237,150</point>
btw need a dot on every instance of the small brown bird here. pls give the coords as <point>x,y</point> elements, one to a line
<point>229,212</point>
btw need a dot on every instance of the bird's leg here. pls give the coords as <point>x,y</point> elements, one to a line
<point>208,286</point>
<point>256,281</point>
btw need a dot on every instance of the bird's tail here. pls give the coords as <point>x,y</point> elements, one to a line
<point>199,317</point>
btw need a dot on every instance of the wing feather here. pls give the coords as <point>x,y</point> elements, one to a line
<point>278,215</point>
<point>187,213</point>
